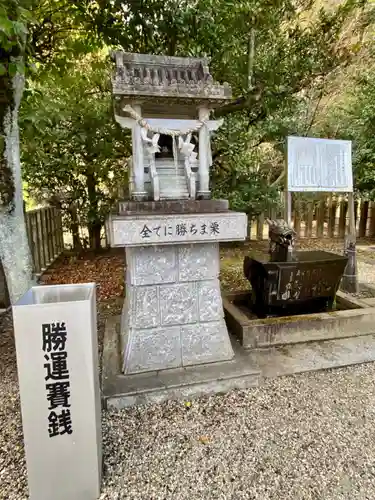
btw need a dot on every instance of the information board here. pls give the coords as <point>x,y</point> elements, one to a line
<point>319,165</point>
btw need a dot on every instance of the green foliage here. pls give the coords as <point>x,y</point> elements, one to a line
<point>277,86</point>
<point>14,16</point>
<point>251,195</point>
<point>48,37</point>
<point>293,45</point>
<point>238,174</point>
<point>276,55</point>
<point>42,31</point>
<point>357,122</point>
<point>73,151</point>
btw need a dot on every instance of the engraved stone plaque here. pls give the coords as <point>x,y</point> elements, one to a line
<point>176,228</point>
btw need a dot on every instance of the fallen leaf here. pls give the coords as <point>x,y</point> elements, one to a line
<point>104,269</point>
<point>204,439</point>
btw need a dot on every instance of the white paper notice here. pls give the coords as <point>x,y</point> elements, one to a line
<point>319,165</point>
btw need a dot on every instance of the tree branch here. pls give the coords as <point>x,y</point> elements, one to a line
<point>314,112</point>
<point>257,98</point>
<point>251,53</point>
<point>279,179</point>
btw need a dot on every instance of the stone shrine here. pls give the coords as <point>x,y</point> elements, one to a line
<point>173,314</point>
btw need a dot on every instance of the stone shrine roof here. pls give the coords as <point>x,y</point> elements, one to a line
<point>178,79</point>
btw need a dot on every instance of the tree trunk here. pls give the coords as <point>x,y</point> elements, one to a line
<point>94,225</point>
<point>14,246</point>
<point>95,230</point>
<point>74,228</point>
<point>77,243</point>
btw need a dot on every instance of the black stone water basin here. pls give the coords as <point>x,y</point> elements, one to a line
<point>306,283</point>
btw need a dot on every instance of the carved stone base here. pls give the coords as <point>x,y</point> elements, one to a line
<point>173,313</point>
<point>204,195</point>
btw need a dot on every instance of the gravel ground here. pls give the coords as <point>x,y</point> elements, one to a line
<point>366,273</point>
<point>304,437</point>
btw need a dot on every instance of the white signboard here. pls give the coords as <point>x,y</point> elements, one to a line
<point>319,165</point>
<point>57,360</point>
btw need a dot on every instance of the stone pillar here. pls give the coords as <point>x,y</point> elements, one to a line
<point>139,192</point>
<point>204,144</point>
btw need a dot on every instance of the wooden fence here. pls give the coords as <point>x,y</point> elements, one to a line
<point>324,218</point>
<point>45,235</point>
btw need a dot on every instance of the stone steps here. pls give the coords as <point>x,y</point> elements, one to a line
<point>173,186</point>
<point>171,181</point>
<point>174,195</point>
<point>171,170</point>
<point>170,167</point>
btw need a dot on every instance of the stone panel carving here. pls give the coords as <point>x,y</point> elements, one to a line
<point>210,303</point>
<point>205,343</point>
<point>198,261</point>
<point>152,265</point>
<point>154,349</point>
<point>145,310</point>
<point>178,304</point>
